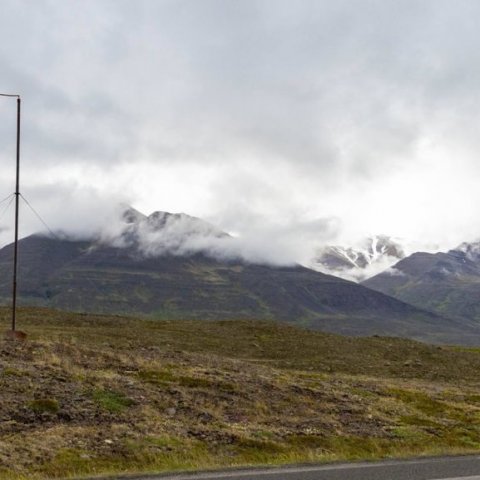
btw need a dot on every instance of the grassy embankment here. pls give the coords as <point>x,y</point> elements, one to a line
<point>87,395</point>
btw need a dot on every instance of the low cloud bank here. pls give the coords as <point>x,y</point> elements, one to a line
<point>164,233</point>
<point>249,237</point>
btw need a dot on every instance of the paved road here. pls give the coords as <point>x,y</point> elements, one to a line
<point>445,468</point>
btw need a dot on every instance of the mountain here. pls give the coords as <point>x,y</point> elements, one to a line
<point>447,283</point>
<point>373,255</point>
<point>169,266</point>
<point>160,232</point>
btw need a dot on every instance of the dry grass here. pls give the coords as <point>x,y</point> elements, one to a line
<point>87,395</point>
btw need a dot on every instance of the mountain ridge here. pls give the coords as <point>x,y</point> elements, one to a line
<point>178,282</point>
<point>447,283</point>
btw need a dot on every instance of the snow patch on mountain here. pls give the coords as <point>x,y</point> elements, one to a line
<point>371,256</point>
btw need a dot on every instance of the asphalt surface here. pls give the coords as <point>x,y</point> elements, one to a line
<point>445,468</point>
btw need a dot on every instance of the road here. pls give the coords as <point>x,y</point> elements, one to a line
<point>445,468</point>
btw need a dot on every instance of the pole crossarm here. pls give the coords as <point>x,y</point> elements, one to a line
<point>9,95</point>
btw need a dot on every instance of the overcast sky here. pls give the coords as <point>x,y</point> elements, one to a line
<point>309,118</point>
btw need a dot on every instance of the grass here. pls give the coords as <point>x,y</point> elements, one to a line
<point>111,401</point>
<point>88,395</point>
<point>44,405</point>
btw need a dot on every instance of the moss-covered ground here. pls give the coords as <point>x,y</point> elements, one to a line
<point>87,395</point>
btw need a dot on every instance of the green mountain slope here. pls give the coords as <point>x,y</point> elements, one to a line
<point>446,283</point>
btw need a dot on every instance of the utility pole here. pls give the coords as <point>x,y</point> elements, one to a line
<point>14,333</point>
<point>17,198</point>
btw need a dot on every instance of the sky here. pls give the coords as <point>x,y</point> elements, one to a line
<point>309,121</point>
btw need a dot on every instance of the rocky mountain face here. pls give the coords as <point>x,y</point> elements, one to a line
<point>372,256</point>
<point>159,233</point>
<point>155,266</point>
<point>447,283</point>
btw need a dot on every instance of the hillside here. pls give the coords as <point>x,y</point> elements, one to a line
<point>89,394</point>
<point>163,278</point>
<point>446,283</point>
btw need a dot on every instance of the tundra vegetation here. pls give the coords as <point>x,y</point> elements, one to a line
<point>87,395</point>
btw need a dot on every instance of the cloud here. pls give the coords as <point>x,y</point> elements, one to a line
<point>247,112</point>
<point>394,272</point>
<point>163,233</point>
